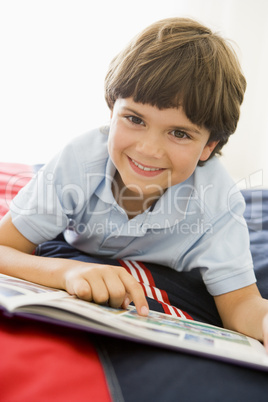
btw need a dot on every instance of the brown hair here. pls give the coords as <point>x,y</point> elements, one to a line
<point>179,62</point>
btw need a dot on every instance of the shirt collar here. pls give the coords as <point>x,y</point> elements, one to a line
<point>170,209</point>
<point>104,190</point>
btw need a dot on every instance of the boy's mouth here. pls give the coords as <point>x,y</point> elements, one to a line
<point>143,169</point>
<point>147,168</point>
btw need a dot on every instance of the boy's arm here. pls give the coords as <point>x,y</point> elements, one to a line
<point>244,310</point>
<point>97,282</point>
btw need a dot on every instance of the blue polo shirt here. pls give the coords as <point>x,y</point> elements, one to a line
<point>196,224</point>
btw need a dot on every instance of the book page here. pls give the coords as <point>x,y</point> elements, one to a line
<point>163,330</point>
<point>15,292</point>
<point>158,329</point>
<point>190,335</point>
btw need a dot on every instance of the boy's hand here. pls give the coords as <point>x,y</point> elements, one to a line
<point>105,283</point>
<point>265,331</point>
<point>244,310</point>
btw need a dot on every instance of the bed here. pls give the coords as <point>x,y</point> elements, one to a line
<point>41,361</point>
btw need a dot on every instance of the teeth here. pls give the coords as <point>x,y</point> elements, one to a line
<point>145,168</point>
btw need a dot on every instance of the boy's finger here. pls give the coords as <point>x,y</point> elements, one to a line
<point>126,302</point>
<point>80,288</point>
<point>115,287</point>
<point>136,293</point>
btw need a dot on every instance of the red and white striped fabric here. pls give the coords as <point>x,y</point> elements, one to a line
<point>144,276</point>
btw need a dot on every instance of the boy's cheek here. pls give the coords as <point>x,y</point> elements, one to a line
<point>119,140</point>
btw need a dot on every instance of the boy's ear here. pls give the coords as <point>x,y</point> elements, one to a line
<point>208,149</point>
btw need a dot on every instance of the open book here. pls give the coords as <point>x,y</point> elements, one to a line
<point>18,297</point>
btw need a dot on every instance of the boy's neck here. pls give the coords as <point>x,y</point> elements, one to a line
<point>133,203</point>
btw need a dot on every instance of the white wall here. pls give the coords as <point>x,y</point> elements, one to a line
<point>55,53</point>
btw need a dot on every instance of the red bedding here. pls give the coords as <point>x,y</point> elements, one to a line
<point>47,363</point>
<point>13,176</point>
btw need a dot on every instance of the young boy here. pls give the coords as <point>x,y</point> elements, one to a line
<point>137,190</point>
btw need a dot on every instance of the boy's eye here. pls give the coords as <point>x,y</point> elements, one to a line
<point>179,134</point>
<point>135,120</point>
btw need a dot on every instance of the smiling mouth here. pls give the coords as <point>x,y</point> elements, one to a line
<point>145,168</point>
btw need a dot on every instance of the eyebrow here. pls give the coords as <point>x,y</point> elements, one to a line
<point>192,129</point>
<point>188,128</point>
<point>128,109</point>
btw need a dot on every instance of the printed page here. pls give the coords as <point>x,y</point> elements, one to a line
<point>16,292</point>
<point>163,330</point>
<point>198,337</point>
<point>158,328</point>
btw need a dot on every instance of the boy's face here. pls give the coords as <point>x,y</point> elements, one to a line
<point>154,149</point>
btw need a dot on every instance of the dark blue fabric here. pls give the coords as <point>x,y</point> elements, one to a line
<point>149,374</point>
<point>146,373</point>
<point>256,215</point>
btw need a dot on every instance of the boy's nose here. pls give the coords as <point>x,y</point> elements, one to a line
<point>150,145</point>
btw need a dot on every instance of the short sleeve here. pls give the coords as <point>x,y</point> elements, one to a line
<point>42,208</point>
<point>223,253</point>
